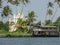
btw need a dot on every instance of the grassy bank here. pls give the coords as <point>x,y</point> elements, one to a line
<point>17,33</point>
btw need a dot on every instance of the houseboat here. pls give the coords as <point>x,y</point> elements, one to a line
<point>46,31</point>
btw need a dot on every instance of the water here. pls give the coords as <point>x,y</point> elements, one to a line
<point>30,41</point>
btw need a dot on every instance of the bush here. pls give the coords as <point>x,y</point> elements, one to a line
<point>1,25</point>
<point>6,26</point>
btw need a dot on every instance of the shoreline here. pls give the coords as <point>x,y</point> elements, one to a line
<point>18,36</point>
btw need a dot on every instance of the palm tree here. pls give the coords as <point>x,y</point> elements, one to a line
<point>58,2</point>
<point>0,3</point>
<point>49,10</point>
<point>16,2</point>
<point>50,4</point>
<point>31,18</point>
<point>6,11</point>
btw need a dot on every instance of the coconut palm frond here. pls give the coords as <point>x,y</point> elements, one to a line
<point>6,11</point>
<point>49,12</point>
<point>50,4</point>
<point>0,3</point>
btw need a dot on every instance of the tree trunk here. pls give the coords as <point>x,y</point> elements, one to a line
<point>54,13</point>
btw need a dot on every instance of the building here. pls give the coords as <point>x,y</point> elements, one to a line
<point>45,31</point>
<point>13,19</point>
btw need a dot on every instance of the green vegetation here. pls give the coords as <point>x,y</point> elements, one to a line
<point>31,19</point>
<point>6,11</point>
<point>48,23</point>
<point>57,23</point>
<point>16,33</point>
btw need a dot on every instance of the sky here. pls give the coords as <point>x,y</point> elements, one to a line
<point>38,6</point>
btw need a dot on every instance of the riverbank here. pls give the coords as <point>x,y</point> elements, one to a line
<point>19,33</point>
<point>8,35</point>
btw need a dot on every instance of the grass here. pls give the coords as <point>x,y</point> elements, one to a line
<point>16,33</point>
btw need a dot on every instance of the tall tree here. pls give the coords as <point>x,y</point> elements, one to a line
<point>0,3</point>
<point>31,18</point>
<point>49,12</point>
<point>58,2</point>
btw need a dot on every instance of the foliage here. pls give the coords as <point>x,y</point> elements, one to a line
<point>58,2</point>
<point>21,24</point>
<point>16,2</point>
<point>50,4</point>
<point>57,23</point>
<point>49,12</point>
<point>0,3</point>
<point>48,22</point>
<point>1,25</point>
<point>31,17</point>
<point>38,23</point>
<point>6,11</point>
<point>6,26</point>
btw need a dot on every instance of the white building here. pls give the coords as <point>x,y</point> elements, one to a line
<point>14,19</point>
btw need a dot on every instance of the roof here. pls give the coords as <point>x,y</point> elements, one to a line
<point>45,27</point>
<point>49,26</point>
<point>44,30</point>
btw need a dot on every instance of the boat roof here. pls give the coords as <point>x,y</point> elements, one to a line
<point>43,30</point>
<point>48,26</point>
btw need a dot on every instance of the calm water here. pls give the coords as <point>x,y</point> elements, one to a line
<point>30,41</point>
